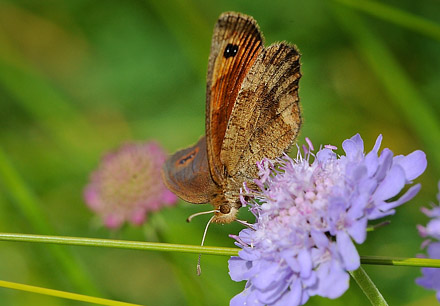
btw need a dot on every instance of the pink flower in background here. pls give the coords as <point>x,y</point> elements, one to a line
<point>128,184</point>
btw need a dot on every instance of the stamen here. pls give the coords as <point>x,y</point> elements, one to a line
<point>310,144</point>
<point>238,240</point>
<point>305,150</point>
<point>245,223</point>
<point>201,213</point>
<point>330,147</point>
<point>199,269</point>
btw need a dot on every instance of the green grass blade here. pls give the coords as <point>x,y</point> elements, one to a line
<point>406,98</point>
<point>190,28</point>
<point>368,287</point>
<point>45,105</point>
<point>63,294</point>
<point>27,203</point>
<point>396,16</point>
<point>43,102</point>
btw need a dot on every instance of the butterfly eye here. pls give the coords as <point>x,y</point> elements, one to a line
<point>230,50</point>
<point>225,208</point>
<point>188,157</point>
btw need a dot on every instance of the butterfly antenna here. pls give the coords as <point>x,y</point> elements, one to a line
<point>199,269</point>
<point>201,213</point>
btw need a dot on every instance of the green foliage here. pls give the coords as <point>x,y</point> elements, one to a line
<point>78,78</point>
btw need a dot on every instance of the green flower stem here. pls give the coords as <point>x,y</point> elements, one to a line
<point>396,261</point>
<point>63,294</point>
<point>121,244</point>
<point>368,287</point>
<point>183,248</point>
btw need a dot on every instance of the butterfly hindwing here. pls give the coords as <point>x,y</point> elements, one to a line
<point>266,116</point>
<point>186,173</point>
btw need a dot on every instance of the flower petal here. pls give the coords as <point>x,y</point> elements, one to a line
<point>246,298</point>
<point>348,251</point>
<point>391,185</point>
<point>238,268</point>
<point>275,291</point>
<point>269,271</point>
<point>377,144</point>
<point>353,147</point>
<point>414,164</point>
<point>407,196</point>
<point>334,280</point>
<point>358,230</point>
<point>371,162</point>
<point>292,297</point>
<point>305,262</point>
<point>385,162</point>
<point>325,155</point>
<point>239,299</point>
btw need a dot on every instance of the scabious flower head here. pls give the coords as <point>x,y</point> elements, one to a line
<point>308,212</point>
<point>431,276</point>
<point>128,184</point>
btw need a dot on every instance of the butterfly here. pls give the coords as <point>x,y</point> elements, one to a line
<point>252,112</point>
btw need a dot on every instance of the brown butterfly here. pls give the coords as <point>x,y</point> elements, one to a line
<point>252,112</point>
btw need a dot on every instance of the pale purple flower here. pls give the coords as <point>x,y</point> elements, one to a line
<point>431,276</point>
<point>309,210</point>
<point>128,184</point>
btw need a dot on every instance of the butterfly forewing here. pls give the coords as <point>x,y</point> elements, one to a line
<point>236,44</point>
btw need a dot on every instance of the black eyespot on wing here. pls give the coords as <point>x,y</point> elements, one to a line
<point>230,50</point>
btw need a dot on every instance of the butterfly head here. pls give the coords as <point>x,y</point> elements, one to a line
<point>225,209</point>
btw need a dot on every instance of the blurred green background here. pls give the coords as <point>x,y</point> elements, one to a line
<point>78,78</point>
